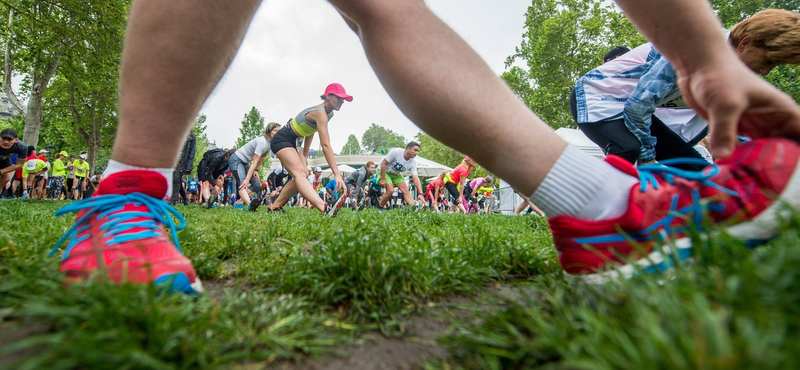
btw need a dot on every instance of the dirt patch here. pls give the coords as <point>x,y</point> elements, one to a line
<point>379,352</point>
<point>14,331</point>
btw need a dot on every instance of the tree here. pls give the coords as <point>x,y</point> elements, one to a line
<point>351,146</point>
<point>41,36</point>
<point>731,12</point>
<point>563,40</point>
<point>430,148</point>
<point>80,104</point>
<point>378,138</point>
<point>252,127</point>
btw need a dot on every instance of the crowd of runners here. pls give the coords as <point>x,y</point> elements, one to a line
<point>381,186</point>
<point>218,178</point>
<point>32,175</point>
<point>652,187</point>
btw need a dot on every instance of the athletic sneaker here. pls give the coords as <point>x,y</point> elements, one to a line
<point>743,193</point>
<point>276,209</point>
<point>238,206</point>
<point>211,201</point>
<point>254,204</point>
<point>336,207</point>
<point>119,233</point>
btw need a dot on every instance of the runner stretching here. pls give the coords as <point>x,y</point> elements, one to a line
<point>434,190</point>
<point>455,180</point>
<point>392,167</point>
<point>300,131</point>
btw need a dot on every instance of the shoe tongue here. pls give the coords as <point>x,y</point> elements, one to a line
<point>149,183</point>
<point>622,165</point>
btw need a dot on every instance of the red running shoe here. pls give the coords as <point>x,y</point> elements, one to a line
<point>119,234</point>
<point>743,193</point>
<point>334,210</point>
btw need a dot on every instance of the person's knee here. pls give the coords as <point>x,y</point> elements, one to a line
<point>361,13</point>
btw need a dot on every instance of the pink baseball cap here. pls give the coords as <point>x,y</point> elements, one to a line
<point>467,158</point>
<point>338,90</point>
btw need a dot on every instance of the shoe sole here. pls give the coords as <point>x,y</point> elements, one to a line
<point>176,282</point>
<point>335,209</point>
<point>756,231</point>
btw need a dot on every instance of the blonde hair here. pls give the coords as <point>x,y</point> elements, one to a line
<point>775,30</point>
<point>270,126</point>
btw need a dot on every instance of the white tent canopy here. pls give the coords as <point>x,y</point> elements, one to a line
<point>425,167</point>
<point>344,170</point>
<point>428,168</point>
<point>578,139</point>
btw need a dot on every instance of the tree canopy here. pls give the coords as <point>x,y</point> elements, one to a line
<point>563,40</point>
<point>80,41</point>
<point>351,146</point>
<point>379,139</point>
<point>252,127</point>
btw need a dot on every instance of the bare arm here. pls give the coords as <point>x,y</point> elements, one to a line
<point>11,168</point>
<point>382,179</point>
<point>257,160</point>
<point>436,197</point>
<point>325,141</point>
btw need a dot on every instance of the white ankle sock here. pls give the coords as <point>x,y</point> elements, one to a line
<point>583,187</point>
<point>114,167</point>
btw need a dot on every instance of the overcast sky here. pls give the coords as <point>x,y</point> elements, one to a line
<point>285,63</point>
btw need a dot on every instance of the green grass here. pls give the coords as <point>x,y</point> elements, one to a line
<point>306,283</point>
<point>300,285</point>
<point>731,308</point>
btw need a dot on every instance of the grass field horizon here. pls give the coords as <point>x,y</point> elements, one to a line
<point>299,290</point>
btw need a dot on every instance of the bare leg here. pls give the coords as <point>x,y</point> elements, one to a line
<point>406,194</point>
<point>296,168</point>
<point>177,49</point>
<point>5,179</point>
<point>243,196</point>
<point>422,63</point>
<point>386,195</point>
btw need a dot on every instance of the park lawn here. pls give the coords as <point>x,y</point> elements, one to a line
<point>299,288</point>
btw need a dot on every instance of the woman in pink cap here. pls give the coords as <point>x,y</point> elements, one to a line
<point>299,131</point>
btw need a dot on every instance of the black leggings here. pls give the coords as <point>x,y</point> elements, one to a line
<point>615,138</point>
<point>452,189</point>
<point>177,187</point>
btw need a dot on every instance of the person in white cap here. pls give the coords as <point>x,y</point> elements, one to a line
<point>32,171</point>
<point>292,143</point>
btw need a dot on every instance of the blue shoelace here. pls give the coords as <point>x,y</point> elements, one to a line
<point>648,172</point>
<point>118,225</point>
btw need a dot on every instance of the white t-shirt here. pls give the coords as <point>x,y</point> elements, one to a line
<point>395,163</point>
<point>312,179</point>
<point>259,146</point>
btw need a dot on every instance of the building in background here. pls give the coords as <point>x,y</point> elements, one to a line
<point>6,109</point>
